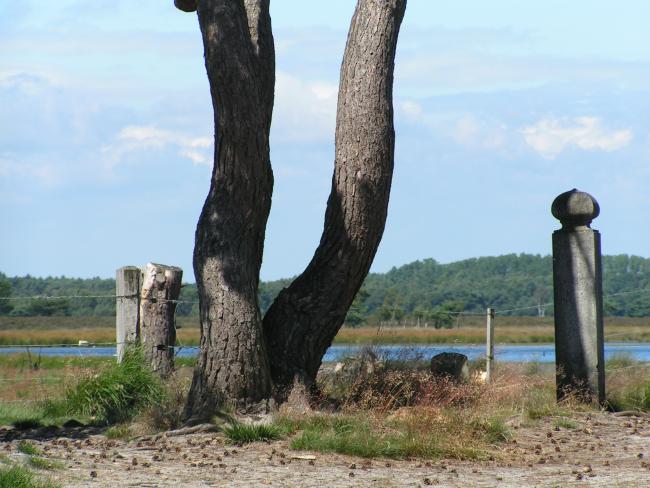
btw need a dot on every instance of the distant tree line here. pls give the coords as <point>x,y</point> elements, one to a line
<point>420,293</point>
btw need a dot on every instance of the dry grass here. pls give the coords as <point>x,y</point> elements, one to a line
<point>189,336</point>
<point>471,330</point>
<point>409,413</point>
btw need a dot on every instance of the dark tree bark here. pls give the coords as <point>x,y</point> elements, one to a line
<point>232,366</point>
<point>302,322</point>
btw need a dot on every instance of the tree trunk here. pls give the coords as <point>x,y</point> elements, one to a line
<point>232,365</point>
<point>305,317</point>
<point>161,287</point>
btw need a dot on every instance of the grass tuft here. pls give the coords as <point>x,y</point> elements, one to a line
<point>28,448</point>
<point>115,394</point>
<point>22,477</point>
<point>566,423</point>
<point>120,431</point>
<point>244,434</point>
<point>45,464</point>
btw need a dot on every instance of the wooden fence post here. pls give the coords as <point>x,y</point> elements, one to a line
<point>489,344</point>
<point>161,287</point>
<point>127,307</point>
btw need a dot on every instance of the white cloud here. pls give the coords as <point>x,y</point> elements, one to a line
<point>304,111</point>
<point>133,138</point>
<point>44,174</point>
<point>551,136</point>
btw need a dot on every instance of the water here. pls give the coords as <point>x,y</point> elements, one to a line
<point>544,353</point>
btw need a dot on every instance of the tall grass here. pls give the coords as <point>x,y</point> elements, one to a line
<point>21,477</point>
<point>116,393</point>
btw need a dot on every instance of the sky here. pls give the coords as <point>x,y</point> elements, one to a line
<point>106,130</point>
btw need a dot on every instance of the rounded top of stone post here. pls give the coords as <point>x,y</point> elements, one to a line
<point>575,208</point>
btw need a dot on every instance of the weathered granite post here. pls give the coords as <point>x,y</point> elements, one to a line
<point>161,287</point>
<point>127,307</point>
<point>577,284</point>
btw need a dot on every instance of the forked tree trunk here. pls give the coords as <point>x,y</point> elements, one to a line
<point>232,365</point>
<point>302,322</point>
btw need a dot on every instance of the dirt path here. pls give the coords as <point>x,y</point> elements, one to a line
<point>604,450</point>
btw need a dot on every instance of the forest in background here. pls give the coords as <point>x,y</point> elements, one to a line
<point>416,293</point>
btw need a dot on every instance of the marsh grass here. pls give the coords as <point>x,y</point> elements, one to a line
<point>16,476</point>
<point>471,330</point>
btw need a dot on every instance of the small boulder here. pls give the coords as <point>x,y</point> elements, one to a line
<point>451,365</point>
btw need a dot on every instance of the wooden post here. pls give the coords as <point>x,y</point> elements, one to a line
<point>161,287</point>
<point>489,344</point>
<point>127,307</point>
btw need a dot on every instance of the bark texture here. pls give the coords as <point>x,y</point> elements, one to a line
<point>161,287</point>
<point>232,365</point>
<point>303,320</point>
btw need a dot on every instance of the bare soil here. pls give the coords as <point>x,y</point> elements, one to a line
<point>603,450</point>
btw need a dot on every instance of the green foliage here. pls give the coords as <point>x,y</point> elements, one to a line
<point>244,434</point>
<point>117,393</point>
<point>357,313</point>
<point>407,293</point>
<point>5,292</point>
<point>21,477</point>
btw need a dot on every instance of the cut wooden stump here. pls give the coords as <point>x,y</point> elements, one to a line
<point>161,287</point>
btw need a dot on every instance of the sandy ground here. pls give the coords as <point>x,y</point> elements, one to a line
<point>605,450</point>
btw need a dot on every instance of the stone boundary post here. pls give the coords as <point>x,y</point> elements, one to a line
<point>577,285</point>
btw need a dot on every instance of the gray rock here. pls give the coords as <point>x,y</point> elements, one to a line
<point>451,365</point>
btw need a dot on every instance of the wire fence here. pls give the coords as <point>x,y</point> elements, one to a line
<point>43,385</point>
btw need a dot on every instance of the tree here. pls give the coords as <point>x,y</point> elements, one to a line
<point>241,358</point>
<point>5,292</point>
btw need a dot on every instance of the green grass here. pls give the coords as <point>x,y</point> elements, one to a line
<point>33,415</point>
<point>120,431</point>
<point>22,477</point>
<point>28,448</point>
<point>494,429</point>
<point>245,434</point>
<point>118,392</point>
<point>44,464</point>
<point>620,361</point>
<point>365,436</point>
<point>566,423</point>
<point>635,397</point>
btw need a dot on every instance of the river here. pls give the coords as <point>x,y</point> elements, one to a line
<point>544,353</point>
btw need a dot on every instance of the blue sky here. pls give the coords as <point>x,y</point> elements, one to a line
<point>106,130</point>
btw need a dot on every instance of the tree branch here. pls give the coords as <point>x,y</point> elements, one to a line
<point>186,5</point>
